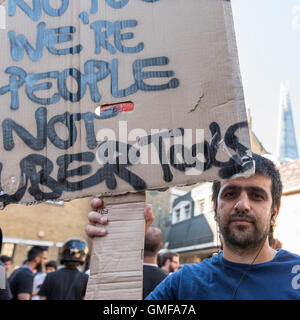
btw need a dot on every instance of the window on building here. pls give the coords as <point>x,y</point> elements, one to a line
<point>8,249</point>
<point>187,211</point>
<point>177,215</point>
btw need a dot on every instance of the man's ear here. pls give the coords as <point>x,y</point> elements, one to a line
<point>275,213</point>
<point>37,259</point>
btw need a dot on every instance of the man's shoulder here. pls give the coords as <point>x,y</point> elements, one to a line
<point>203,269</point>
<point>26,270</point>
<point>53,275</point>
<point>154,269</point>
<point>284,255</point>
<point>21,273</point>
<point>84,275</point>
<point>62,272</point>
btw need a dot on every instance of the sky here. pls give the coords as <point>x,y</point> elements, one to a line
<point>268,41</point>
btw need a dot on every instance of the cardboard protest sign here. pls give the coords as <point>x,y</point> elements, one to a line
<point>115,96</point>
<point>116,268</point>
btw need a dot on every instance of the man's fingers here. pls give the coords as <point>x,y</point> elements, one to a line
<point>149,217</point>
<point>96,204</point>
<point>95,217</point>
<point>93,231</point>
<point>96,220</point>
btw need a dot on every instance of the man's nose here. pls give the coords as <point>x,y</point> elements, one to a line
<point>243,202</point>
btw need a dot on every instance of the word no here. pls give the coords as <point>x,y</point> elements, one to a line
<point>35,12</point>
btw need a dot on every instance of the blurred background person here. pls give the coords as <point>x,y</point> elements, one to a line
<point>5,293</point>
<point>170,261</point>
<point>7,261</point>
<point>39,278</point>
<point>152,274</point>
<point>21,280</point>
<point>67,283</point>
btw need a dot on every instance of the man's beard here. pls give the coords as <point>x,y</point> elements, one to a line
<point>38,267</point>
<point>171,269</point>
<point>239,237</point>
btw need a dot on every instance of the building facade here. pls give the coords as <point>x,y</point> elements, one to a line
<point>46,224</point>
<point>193,232</point>
<point>287,228</point>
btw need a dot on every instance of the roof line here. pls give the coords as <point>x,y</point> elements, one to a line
<point>291,191</point>
<point>197,247</point>
<point>28,242</point>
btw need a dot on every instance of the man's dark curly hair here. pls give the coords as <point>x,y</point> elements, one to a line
<point>265,167</point>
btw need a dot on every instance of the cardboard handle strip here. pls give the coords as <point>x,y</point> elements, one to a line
<point>116,267</point>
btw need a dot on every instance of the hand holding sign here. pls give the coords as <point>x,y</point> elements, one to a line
<point>98,221</point>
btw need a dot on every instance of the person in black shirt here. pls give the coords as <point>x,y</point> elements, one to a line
<point>21,280</point>
<point>152,274</point>
<point>5,293</point>
<point>67,283</point>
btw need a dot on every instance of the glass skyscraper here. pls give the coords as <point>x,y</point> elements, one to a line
<point>287,143</point>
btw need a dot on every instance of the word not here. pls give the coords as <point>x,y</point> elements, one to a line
<point>46,129</point>
<point>94,72</point>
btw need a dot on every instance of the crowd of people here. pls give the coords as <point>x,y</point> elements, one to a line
<point>59,282</point>
<point>66,281</point>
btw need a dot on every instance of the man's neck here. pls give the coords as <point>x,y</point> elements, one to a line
<point>166,268</point>
<point>247,256</point>
<point>31,265</point>
<point>152,260</point>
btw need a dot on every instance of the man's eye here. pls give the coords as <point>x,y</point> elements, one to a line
<point>229,194</point>
<point>257,196</point>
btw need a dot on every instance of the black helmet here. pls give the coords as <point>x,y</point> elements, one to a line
<point>74,250</point>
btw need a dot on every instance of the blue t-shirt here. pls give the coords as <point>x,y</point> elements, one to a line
<point>217,279</point>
